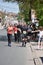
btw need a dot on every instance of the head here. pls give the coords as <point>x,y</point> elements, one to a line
<point>10,24</point>
<point>41,28</point>
<point>15,25</point>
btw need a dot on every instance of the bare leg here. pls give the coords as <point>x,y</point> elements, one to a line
<point>39,42</point>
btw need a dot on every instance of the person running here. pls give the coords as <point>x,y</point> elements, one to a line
<point>9,34</point>
<point>24,35</point>
<point>19,26</point>
<point>15,32</point>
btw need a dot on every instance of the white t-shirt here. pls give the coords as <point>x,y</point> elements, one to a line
<point>40,33</point>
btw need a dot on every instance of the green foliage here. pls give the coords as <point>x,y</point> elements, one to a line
<point>41,23</point>
<point>40,13</point>
<point>26,5</point>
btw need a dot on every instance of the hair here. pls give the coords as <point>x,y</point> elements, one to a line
<point>41,28</point>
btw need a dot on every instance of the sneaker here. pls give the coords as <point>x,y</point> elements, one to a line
<point>9,45</point>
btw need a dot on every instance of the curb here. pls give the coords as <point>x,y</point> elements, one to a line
<point>36,60</point>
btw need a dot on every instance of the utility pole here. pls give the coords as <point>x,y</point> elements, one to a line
<point>30,10</point>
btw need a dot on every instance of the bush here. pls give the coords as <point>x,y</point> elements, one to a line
<point>41,23</point>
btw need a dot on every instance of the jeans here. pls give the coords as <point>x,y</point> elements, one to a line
<point>9,38</point>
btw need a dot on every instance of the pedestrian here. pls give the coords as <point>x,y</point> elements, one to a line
<point>9,34</point>
<point>19,26</point>
<point>19,34</point>
<point>24,35</point>
<point>29,34</point>
<point>40,37</point>
<point>15,32</point>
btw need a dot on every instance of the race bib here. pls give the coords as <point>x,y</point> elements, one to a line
<point>15,32</point>
<point>24,32</point>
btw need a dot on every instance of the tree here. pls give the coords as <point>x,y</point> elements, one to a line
<point>25,7</point>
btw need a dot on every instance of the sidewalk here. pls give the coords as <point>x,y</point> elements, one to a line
<point>37,53</point>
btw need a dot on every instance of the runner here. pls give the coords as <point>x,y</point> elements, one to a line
<point>9,34</point>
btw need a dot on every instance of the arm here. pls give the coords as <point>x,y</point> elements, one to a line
<point>35,31</point>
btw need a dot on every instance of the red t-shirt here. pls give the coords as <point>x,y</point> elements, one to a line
<point>10,30</point>
<point>15,29</point>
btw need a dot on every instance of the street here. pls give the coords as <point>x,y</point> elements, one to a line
<point>21,32</point>
<point>18,55</point>
<point>15,55</point>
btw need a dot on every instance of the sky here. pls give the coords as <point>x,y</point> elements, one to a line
<point>9,6</point>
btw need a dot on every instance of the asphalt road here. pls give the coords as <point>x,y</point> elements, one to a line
<point>16,54</point>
